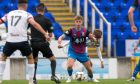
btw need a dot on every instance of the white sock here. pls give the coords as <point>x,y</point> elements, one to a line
<point>2,68</point>
<point>31,71</point>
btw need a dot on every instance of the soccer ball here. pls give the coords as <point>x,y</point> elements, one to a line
<point>80,76</point>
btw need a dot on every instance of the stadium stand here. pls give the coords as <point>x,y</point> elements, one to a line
<point>12,5</point>
<point>116,12</point>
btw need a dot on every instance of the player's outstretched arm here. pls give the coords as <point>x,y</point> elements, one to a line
<point>60,39</point>
<point>63,45</point>
<point>131,19</point>
<point>100,56</point>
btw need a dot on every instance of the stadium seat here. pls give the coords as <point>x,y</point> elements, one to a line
<point>120,47</point>
<point>32,1</point>
<point>57,30</point>
<point>2,14</point>
<point>12,6</point>
<point>3,4</point>
<point>14,1</point>
<point>126,25</point>
<point>134,35</point>
<point>32,6</point>
<point>123,35</point>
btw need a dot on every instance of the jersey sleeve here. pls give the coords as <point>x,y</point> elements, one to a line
<point>68,32</point>
<point>29,16</point>
<point>135,4</point>
<point>4,18</point>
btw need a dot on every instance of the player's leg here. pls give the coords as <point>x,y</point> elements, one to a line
<point>2,66</point>
<point>30,68</point>
<point>88,68</point>
<point>35,55</point>
<point>90,72</point>
<point>136,70</point>
<point>85,60</point>
<point>70,64</point>
<point>53,68</point>
<point>8,49</point>
<point>47,52</point>
<point>35,49</point>
<point>25,49</point>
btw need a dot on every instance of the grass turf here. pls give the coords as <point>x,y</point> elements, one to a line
<point>110,81</point>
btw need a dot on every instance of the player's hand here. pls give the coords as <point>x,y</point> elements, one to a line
<point>47,37</point>
<point>134,28</point>
<point>102,64</point>
<point>95,39</point>
<point>60,46</point>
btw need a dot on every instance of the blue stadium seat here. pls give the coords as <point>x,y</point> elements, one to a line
<point>12,6</point>
<point>3,4</point>
<point>14,1</point>
<point>126,25</point>
<point>114,33</point>
<point>2,13</point>
<point>49,16</point>
<point>134,35</point>
<point>123,35</point>
<point>32,1</point>
<point>32,6</point>
<point>120,47</point>
<point>57,30</point>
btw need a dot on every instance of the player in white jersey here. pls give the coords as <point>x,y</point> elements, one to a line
<point>17,37</point>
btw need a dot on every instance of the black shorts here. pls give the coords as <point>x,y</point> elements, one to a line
<point>24,48</point>
<point>43,47</point>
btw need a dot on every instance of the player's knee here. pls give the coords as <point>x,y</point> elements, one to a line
<point>30,56</point>
<point>3,57</point>
<point>69,66</point>
<point>53,61</point>
<point>52,58</point>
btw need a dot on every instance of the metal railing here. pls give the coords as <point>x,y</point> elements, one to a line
<point>101,20</point>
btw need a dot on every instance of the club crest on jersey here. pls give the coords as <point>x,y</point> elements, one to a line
<point>79,40</point>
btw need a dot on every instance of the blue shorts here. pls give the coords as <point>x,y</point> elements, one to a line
<point>82,58</point>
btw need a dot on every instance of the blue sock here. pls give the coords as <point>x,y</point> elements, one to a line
<point>137,69</point>
<point>70,71</point>
<point>90,76</point>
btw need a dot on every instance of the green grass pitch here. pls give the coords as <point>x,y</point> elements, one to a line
<point>110,81</point>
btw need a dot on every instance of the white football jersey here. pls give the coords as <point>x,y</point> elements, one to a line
<point>17,25</point>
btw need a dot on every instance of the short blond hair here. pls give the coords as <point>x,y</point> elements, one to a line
<point>79,17</point>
